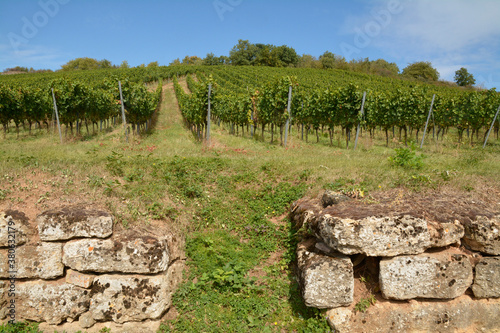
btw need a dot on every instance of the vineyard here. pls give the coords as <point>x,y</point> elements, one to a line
<point>228,200</point>
<point>82,98</point>
<point>257,98</point>
<point>253,99</point>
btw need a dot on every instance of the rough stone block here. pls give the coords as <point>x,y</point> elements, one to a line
<point>462,314</point>
<point>72,222</point>
<point>487,278</point>
<point>126,253</point>
<point>129,298</point>
<point>483,235</point>
<point>86,320</point>
<point>444,234</point>
<point>326,281</point>
<point>50,302</point>
<point>79,279</point>
<point>330,198</point>
<point>442,275</point>
<point>374,236</point>
<point>43,261</point>
<point>340,319</point>
<point>18,223</point>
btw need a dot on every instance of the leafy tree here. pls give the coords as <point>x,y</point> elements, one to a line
<point>384,68</point>
<point>175,62</point>
<point>265,56</point>
<point>86,64</point>
<point>153,64</point>
<point>192,60</point>
<point>308,61</point>
<point>16,69</point>
<point>327,60</point>
<point>223,60</point>
<point>246,53</point>
<point>421,70</point>
<point>243,53</point>
<point>330,60</point>
<point>124,64</point>
<point>463,78</point>
<point>212,60</point>
<point>105,63</point>
<point>286,55</point>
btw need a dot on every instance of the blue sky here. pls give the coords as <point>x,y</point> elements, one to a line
<point>448,33</point>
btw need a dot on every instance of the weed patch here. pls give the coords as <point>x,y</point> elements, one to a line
<point>20,327</point>
<point>365,303</point>
<point>406,157</point>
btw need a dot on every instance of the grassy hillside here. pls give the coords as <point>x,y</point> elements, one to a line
<point>229,200</point>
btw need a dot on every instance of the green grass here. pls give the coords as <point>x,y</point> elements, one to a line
<point>229,201</point>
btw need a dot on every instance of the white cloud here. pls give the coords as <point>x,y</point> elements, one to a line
<point>448,33</point>
<point>429,26</point>
<point>36,56</point>
<point>448,25</point>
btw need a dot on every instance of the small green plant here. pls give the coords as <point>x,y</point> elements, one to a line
<point>158,211</point>
<point>4,193</point>
<point>231,276</point>
<point>364,279</point>
<point>110,186</point>
<point>105,330</point>
<point>365,303</point>
<point>446,175</point>
<point>115,163</point>
<point>20,327</point>
<point>407,158</point>
<point>305,174</point>
<point>136,175</point>
<point>28,160</point>
<point>95,181</point>
<point>418,180</point>
<point>468,188</point>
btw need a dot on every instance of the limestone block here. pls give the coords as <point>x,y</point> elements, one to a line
<point>72,222</point>
<point>483,235</point>
<point>444,234</point>
<point>326,281</point>
<point>126,253</point>
<point>50,302</point>
<point>33,261</point>
<point>442,275</point>
<point>79,279</point>
<point>15,222</point>
<point>487,278</point>
<point>462,314</point>
<point>374,236</point>
<point>129,298</point>
<point>339,319</point>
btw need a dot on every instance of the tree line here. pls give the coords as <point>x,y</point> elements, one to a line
<point>245,53</point>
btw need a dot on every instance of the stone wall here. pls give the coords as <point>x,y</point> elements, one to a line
<point>426,275</point>
<point>71,269</point>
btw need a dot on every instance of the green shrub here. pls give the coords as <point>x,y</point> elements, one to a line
<point>407,158</point>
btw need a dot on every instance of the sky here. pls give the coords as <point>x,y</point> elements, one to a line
<point>448,33</point>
